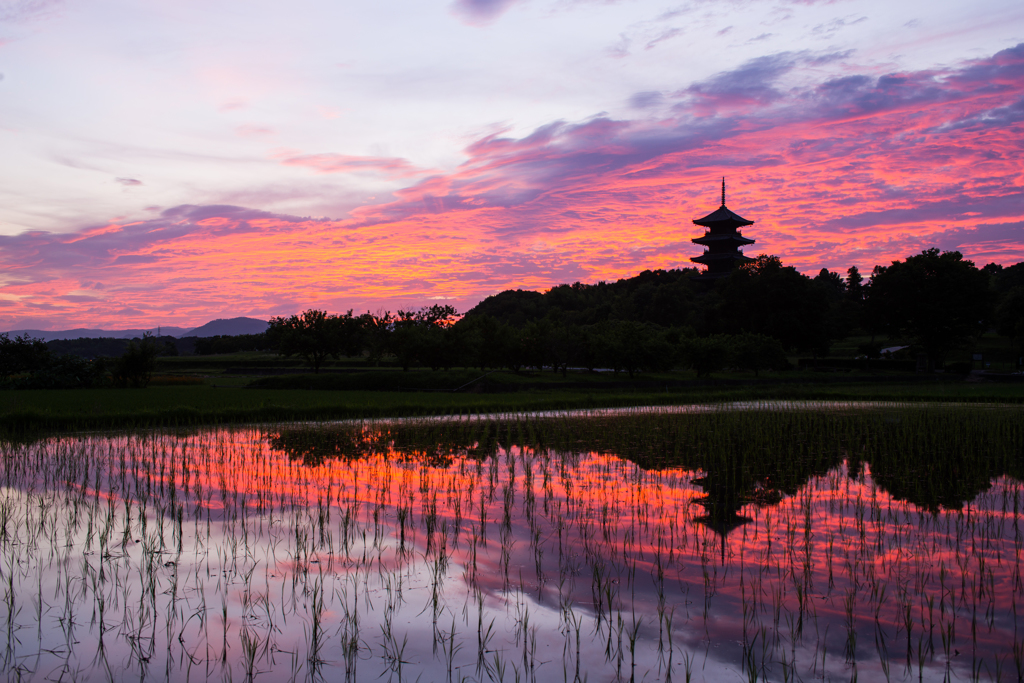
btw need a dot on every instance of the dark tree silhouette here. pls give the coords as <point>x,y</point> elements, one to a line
<point>854,284</point>
<point>766,297</point>
<point>707,354</point>
<point>21,354</point>
<point>418,337</point>
<point>314,335</point>
<point>938,300</point>
<point>135,366</point>
<point>757,352</point>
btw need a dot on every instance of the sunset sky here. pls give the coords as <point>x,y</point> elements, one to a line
<point>171,163</point>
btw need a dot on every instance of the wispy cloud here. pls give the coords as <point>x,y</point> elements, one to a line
<point>250,131</point>
<point>391,167</point>
<point>25,10</point>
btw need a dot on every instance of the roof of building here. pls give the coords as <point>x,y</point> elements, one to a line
<point>722,238</point>
<point>722,217</point>
<point>708,257</point>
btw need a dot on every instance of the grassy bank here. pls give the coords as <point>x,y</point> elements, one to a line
<point>229,400</point>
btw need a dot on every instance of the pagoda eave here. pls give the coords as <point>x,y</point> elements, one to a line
<point>723,226</point>
<point>730,239</point>
<point>722,219</point>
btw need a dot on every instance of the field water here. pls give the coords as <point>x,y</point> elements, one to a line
<point>791,544</point>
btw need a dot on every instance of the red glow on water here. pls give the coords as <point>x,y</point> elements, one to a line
<point>841,567</point>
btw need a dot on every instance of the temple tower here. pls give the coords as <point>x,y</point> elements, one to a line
<point>721,241</point>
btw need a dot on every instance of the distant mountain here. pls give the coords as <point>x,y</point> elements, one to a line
<point>223,327</point>
<point>228,328</point>
<point>88,333</point>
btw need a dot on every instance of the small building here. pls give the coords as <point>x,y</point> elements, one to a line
<point>721,241</point>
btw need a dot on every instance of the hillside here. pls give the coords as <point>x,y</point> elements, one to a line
<point>228,328</point>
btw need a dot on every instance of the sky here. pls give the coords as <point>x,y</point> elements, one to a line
<point>172,163</point>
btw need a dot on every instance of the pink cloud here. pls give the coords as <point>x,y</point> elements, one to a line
<point>391,167</point>
<point>250,131</point>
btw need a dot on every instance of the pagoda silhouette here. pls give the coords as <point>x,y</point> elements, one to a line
<point>721,241</point>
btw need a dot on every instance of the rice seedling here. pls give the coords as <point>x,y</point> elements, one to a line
<point>765,542</point>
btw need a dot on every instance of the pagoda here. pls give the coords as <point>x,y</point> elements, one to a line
<point>721,241</point>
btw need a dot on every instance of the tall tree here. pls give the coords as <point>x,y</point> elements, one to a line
<point>854,284</point>
<point>418,337</point>
<point>314,335</point>
<point>135,366</point>
<point>938,300</point>
<point>766,297</point>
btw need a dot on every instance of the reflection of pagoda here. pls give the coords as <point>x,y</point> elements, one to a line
<point>721,242</point>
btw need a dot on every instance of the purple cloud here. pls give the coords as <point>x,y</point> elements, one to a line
<point>752,83</point>
<point>39,256</point>
<point>646,100</point>
<point>135,258</point>
<point>480,12</point>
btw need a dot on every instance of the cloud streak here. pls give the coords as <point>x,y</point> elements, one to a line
<point>391,167</point>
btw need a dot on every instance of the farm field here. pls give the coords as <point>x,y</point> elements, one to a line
<point>742,541</point>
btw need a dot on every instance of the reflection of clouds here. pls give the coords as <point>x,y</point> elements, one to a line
<point>614,530</point>
<point>588,535</point>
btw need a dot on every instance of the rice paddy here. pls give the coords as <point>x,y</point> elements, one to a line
<point>764,542</point>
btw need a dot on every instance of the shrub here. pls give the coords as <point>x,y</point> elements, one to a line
<point>707,354</point>
<point>758,352</point>
<point>65,372</point>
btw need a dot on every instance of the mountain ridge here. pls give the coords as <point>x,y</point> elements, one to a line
<point>220,326</point>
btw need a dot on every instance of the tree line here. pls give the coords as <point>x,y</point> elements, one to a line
<point>662,319</point>
<point>27,363</point>
<point>433,337</point>
<point>655,321</point>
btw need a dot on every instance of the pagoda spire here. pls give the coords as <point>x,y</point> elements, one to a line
<point>723,190</point>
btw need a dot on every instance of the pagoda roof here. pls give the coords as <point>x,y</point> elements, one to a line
<point>707,257</point>
<point>722,217</point>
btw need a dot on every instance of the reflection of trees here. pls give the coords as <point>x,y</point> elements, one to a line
<point>944,458</point>
<point>435,443</point>
<point>930,457</point>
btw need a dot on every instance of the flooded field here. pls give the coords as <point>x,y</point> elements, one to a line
<point>774,543</point>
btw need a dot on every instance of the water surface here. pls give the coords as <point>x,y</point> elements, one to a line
<point>778,545</point>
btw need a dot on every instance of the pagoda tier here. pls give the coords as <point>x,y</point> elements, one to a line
<point>721,241</point>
